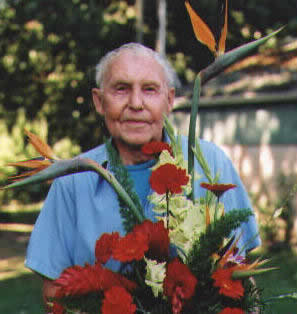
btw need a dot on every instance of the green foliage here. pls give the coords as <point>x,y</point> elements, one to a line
<point>199,259</point>
<point>277,209</point>
<point>47,59</point>
<point>14,147</point>
<point>122,175</point>
<point>48,55</point>
<point>89,303</point>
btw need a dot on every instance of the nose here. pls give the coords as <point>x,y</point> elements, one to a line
<point>136,99</point>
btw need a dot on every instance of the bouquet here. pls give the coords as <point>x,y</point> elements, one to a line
<point>187,261</point>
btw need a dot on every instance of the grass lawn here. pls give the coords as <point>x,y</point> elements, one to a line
<point>20,289</point>
<point>280,282</point>
<point>21,295</point>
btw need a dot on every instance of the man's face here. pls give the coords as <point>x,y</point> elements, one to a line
<point>134,99</point>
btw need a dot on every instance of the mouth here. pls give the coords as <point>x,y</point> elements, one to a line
<point>135,123</point>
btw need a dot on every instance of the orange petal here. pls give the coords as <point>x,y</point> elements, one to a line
<point>224,259</point>
<point>222,41</point>
<point>201,30</point>
<point>257,263</point>
<point>42,148</point>
<point>25,174</point>
<point>31,163</point>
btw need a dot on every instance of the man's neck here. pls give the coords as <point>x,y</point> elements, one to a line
<point>131,154</point>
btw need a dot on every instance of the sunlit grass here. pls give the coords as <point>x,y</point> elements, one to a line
<point>12,267</point>
<point>20,289</point>
<point>16,227</point>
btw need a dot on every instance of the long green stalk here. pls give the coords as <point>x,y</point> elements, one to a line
<point>192,132</point>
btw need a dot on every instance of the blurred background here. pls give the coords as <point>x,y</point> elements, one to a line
<point>48,53</point>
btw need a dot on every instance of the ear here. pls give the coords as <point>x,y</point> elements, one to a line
<point>171,95</point>
<point>98,100</point>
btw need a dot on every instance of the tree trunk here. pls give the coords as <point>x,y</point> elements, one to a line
<point>161,36</point>
<point>139,4</point>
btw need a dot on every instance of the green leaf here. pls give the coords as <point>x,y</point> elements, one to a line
<point>57,169</point>
<point>209,242</point>
<point>122,176</point>
<point>202,161</point>
<point>240,274</point>
<point>233,56</point>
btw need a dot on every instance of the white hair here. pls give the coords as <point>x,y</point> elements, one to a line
<point>104,63</point>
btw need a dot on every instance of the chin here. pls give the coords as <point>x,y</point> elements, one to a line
<point>137,141</point>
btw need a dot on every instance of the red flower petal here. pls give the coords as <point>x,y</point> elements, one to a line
<point>110,279</point>
<point>104,246</point>
<point>229,310</point>
<point>57,308</point>
<point>228,286</point>
<point>155,147</point>
<point>216,188</point>
<point>168,178</point>
<point>179,284</point>
<point>78,280</point>
<point>118,301</point>
<point>131,247</point>
<point>158,239</point>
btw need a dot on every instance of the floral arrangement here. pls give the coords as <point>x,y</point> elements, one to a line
<point>185,262</point>
<point>204,274</point>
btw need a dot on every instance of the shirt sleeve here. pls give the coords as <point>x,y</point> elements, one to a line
<point>51,242</point>
<point>233,199</point>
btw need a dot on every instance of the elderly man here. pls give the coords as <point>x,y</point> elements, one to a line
<point>135,90</point>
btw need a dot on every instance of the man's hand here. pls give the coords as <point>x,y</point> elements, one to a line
<point>48,291</point>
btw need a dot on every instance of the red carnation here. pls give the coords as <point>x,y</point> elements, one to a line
<point>229,310</point>
<point>104,246</point>
<point>131,247</point>
<point>155,148</point>
<point>168,178</point>
<point>216,188</point>
<point>158,239</point>
<point>179,284</point>
<point>228,286</point>
<point>118,301</point>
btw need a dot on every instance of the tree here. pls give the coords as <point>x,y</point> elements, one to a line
<point>161,34</point>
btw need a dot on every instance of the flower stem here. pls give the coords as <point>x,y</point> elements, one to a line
<point>192,132</point>
<point>119,190</point>
<point>216,209</point>
<point>167,208</point>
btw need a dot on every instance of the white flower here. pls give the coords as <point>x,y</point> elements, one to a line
<point>155,274</point>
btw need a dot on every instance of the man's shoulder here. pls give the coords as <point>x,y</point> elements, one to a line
<point>98,154</point>
<point>208,148</point>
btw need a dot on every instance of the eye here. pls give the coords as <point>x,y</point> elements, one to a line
<point>150,89</point>
<point>121,88</point>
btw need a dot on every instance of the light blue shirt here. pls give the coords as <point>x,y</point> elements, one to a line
<point>81,207</point>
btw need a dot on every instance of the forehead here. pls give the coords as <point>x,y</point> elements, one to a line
<point>135,67</point>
